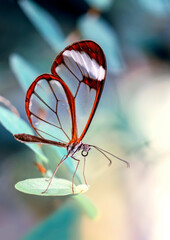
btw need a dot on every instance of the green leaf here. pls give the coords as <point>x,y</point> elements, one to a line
<point>87,206</point>
<point>24,72</point>
<point>35,186</point>
<point>157,7</point>
<point>15,125</point>
<point>100,4</point>
<point>63,224</point>
<point>45,24</point>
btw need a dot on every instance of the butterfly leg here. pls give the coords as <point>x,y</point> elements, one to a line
<point>84,171</point>
<point>75,172</point>
<point>51,178</point>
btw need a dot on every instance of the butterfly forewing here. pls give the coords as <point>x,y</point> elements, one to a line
<point>50,109</point>
<point>82,67</point>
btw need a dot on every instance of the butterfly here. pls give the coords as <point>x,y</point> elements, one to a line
<point>60,106</point>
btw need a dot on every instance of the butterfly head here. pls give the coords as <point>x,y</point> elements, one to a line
<point>75,147</point>
<point>85,150</point>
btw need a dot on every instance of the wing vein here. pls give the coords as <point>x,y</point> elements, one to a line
<point>77,90</point>
<point>71,72</point>
<point>49,135</point>
<point>52,91</point>
<point>56,104</point>
<point>44,120</point>
<point>55,114</point>
<point>44,102</point>
<point>77,63</point>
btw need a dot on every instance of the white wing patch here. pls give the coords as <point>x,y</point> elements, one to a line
<point>71,64</point>
<point>81,65</point>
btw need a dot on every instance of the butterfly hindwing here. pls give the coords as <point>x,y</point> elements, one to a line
<point>50,109</point>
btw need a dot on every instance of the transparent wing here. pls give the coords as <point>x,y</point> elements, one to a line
<point>50,109</point>
<point>82,66</point>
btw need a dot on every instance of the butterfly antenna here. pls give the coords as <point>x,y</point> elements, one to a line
<point>104,151</point>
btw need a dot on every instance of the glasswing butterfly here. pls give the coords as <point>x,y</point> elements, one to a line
<point>60,106</point>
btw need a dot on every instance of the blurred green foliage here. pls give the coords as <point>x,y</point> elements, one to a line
<point>63,224</point>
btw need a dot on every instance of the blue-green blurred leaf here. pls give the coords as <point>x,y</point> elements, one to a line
<point>100,4</point>
<point>24,72</point>
<point>87,206</point>
<point>96,28</point>
<point>35,186</point>
<point>157,7</point>
<point>45,24</point>
<point>62,225</point>
<point>15,125</point>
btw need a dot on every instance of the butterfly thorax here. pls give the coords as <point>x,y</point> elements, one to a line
<point>76,147</point>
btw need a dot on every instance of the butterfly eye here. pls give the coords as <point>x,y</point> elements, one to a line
<point>84,153</point>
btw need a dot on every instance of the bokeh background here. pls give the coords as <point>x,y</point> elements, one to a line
<point>132,120</point>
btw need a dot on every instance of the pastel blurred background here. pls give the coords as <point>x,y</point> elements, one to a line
<point>132,119</point>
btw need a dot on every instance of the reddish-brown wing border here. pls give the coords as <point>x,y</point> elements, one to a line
<point>95,52</point>
<point>49,77</point>
<point>99,89</point>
